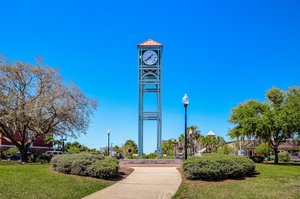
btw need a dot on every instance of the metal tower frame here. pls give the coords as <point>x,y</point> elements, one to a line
<point>150,82</point>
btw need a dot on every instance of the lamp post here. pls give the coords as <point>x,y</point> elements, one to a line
<point>63,144</point>
<point>185,101</point>
<point>108,134</point>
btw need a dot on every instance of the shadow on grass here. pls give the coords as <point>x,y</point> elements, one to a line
<point>255,174</point>
<point>283,163</point>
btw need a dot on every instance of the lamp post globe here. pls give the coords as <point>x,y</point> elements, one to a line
<point>108,135</point>
<point>185,101</point>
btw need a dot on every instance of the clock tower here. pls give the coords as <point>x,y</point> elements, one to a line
<point>149,63</point>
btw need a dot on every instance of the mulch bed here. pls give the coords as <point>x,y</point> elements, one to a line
<point>123,173</point>
<point>150,165</point>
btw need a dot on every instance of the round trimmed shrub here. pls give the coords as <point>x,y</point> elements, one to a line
<point>284,156</point>
<point>215,167</point>
<point>257,159</point>
<point>82,161</point>
<point>74,163</point>
<point>62,163</point>
<point>107,168</point>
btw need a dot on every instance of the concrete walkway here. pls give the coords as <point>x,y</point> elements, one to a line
<point>144,183</point>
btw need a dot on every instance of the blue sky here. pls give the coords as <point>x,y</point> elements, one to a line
<point>219,52</point>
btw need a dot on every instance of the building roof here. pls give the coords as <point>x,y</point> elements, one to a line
<point>210,133</point>
<point>289,145</point>
<point>150,42</point>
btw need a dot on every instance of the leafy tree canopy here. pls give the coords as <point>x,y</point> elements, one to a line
<point>274,121</point>
<point>129,148</point>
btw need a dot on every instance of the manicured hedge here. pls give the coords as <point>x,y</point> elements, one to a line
<point>106,168</point>
<point>257,159</point>
<point>86,164</point>
<point>284,156</point>
<point>218,167</point>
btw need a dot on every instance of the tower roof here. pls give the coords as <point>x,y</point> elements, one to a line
<point>210,133</point>
<point>150,42</point>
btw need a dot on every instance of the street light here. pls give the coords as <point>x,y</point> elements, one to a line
<point>185,101</point>
<point>108,134</point>
<point>63,144</point>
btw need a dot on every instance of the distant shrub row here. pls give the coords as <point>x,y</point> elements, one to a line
<point>257,159</point>
<point>86,164</point>
<point>215,167</point>
<point>151,156</point>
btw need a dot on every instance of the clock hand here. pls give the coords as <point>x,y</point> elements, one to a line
<point>149,57</point>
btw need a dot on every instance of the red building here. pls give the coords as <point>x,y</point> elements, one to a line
<point>39,145</point>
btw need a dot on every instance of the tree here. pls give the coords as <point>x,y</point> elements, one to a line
<point>168,146</point>
<point>211,143</point>
<point>193,135</point>
<point>118,152</point>
<point>76,147</point>
<point>225,149</point>
<point>129,148</point>
<point>273,121</point>
<point>262,150</point>
<point>34,102</point>
<point>57,145</point>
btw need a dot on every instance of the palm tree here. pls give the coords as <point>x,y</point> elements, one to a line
<point>212,143</point>
<point>205,141</point>
<point>193,137</point>
<point>118,152</point>
<point>168,147</point>
<point>180,143</point>
<point>217,142</point>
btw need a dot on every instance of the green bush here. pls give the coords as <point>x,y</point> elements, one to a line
<point>284,156</point>
<point>149,156</point>
<point>107,168</point>
<point>86,164</point>
<point>10,151</point>
<point>41,157</point>
<point>262,150</point>
<point>218,167</point>
<point>74,163</point>
<point>169,157</point>
<point>82,161</point>
<point>225,149</point>
<point>62,163</point>
<point>257,159</point>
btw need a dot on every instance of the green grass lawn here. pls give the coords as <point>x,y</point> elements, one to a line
<point>38,181</point>
<point>273,181</point>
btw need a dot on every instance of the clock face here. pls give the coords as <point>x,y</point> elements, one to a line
<point>150,57</point>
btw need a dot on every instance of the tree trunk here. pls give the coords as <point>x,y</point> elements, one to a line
<point>23,152</point>
<point>275,154</point>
